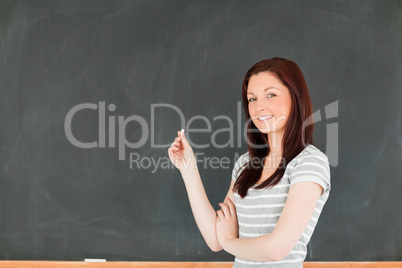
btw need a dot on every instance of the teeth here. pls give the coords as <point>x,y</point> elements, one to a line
<point>265,117</point>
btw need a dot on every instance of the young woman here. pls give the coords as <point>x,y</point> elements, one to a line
<point>278,187</point>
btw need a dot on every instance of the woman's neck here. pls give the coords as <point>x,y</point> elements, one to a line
<point>275,144</point>
<point>273,159</point>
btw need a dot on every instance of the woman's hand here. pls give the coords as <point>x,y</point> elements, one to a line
<point>227,227</point>
<point>181,154</point>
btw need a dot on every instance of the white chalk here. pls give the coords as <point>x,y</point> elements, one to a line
<point>95,260</point>
<point>182,130</point>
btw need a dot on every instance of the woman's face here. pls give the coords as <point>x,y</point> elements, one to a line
<point>269,103</point>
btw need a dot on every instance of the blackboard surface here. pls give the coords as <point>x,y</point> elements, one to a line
<point>135,60</point>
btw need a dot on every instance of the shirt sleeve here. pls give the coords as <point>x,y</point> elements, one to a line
<point>312,166</point>
<point>239,165</point>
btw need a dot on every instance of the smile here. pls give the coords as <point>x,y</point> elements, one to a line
<point>265,117</point>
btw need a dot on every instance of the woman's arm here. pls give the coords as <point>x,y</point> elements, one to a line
<point>299,207</point>
<point>183,158</point>
<point>204,213</point>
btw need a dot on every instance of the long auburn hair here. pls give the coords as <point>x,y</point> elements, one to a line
<point>298,128</point>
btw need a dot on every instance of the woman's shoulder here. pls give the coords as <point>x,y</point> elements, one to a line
<point>311,164</point>
<point>243,158</point>
<point>239,165</point>
<point>312,154</point>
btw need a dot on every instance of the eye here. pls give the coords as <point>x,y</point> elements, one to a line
<point>271,95</point>
<point>251,99</point>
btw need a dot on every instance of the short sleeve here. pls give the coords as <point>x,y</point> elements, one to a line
<point>239,165</point>
<point>312,166</point>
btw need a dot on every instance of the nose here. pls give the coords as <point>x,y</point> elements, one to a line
<point>260,106</point>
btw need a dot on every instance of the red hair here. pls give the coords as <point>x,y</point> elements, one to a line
<point>296,135</point>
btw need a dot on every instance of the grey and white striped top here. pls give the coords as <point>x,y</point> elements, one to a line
<point>259,211</point>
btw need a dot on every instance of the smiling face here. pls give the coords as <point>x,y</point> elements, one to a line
<point>269,103</point>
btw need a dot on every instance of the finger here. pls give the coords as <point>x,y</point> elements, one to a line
<point>173,147</point>
<point>220,215</point>
<point>231,206</point>
<point>178,146</point>
<point>225,209</point>
<point>171,151</point>
<point>175,143</point>
<point>178,141</point>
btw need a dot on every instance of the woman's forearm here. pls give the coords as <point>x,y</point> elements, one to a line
<point>204,213</point>
<point>261,248</point>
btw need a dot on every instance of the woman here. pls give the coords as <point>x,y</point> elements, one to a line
<point>278,187</point>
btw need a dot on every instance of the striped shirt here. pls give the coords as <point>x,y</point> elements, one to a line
<point>259,211</point>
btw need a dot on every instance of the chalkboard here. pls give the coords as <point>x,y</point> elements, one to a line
<point>93,92</point>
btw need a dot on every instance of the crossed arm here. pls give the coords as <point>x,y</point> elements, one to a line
<point>299,207</point>
<point>220,229</point>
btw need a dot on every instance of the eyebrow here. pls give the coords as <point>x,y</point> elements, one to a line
<point>264,90</point>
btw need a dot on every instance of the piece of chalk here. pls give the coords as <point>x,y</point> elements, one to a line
<point>182,130</point>
<point>95,260</point>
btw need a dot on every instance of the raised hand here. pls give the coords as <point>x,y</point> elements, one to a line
<point>181,154</point>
